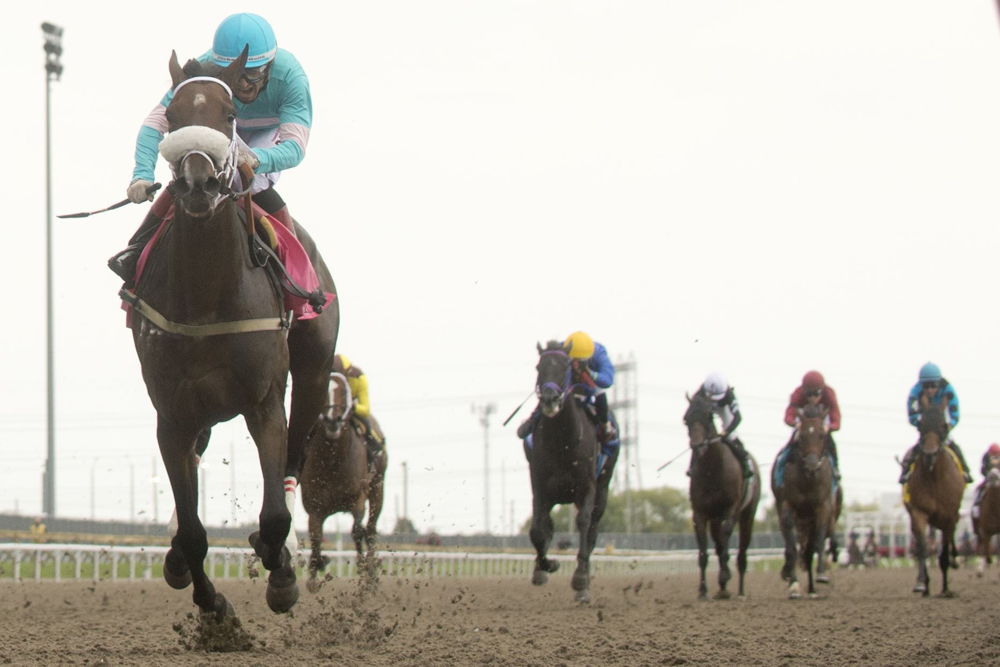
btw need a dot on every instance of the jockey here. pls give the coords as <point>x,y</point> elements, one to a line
<point>594,372</point>
<point>362,413</point>
<point>813,391</point>
<point>723,398</point>
<point>273,119</point>
<point>991,459</point>
<point>932,384</point>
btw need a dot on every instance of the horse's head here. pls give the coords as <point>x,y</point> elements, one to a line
<point>811,443</point>
<point>993,477</point>
<point>933,427</point>
<point>339,403</point>
<point>700,422</point>
<point>201,146</point>
<point>555,370</point>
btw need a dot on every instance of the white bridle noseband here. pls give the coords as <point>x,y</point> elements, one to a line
<point>221,151</point>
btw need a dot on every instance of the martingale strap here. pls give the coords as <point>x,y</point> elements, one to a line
<point>214,329</point>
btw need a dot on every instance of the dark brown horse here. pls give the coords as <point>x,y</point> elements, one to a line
<point>986,522</point>
<point>808,505</point>
<point>933,494</point>
<point>336,478</point>
<point>562,461</point>
<point>212,338</point>
<point>720,496</point>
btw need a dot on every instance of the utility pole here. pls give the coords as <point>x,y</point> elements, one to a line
<point>406,492</point>
<point>53,70</point>
<point>484,412</point>
<point>624,402</point>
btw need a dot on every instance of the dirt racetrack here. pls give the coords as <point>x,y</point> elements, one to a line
<point>868,617</point>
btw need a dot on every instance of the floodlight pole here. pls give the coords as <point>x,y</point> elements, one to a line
<point>484,412</point>
<point>53,70</point>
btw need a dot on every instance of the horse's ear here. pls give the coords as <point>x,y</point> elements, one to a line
<point>539,346</point>
<point>232,73</point>
<point>176,73</point>
<point>567,347</point>
<point>687,396</point>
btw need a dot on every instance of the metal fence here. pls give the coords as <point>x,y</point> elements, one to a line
<point>82,562</point>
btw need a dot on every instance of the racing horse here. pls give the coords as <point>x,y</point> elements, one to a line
<point>720,496</point>
<point>933,495</point>
<point>336,478</point>
<point>212,337</point>
<point>562,461</point>
<point>808,505</point>
<point>986,522</point>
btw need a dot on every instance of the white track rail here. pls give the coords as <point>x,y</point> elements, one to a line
<point>82,562</point>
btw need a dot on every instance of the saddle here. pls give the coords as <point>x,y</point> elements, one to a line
<point>276,248</point>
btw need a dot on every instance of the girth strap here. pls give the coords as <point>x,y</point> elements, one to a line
<point>214,329</point>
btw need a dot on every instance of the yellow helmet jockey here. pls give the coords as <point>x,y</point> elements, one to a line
<point>341,363</point>
<point>581,345</point>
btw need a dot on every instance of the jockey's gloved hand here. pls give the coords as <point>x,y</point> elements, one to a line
<point>248,157</point>
<point>138,191</point>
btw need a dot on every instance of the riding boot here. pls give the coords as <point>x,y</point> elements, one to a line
<point>908,459</point>
<point>123,263</point>
<point>740,452</point>
<point>528,425</point>
<point>961,459</point>
<point>607,432</point>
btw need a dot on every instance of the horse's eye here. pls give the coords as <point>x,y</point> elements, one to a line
<point>231,118</point>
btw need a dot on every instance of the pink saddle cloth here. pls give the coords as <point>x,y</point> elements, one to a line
<point>289,251</point>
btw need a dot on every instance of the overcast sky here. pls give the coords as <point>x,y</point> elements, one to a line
<point>755,187</point>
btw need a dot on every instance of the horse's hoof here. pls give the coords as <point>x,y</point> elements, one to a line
<point>583,596</point>
<point>282,591</point>
<point>920,588</point>
<point>581,581</point>
<point>722,595</point>
<point>221,610</point>
<point>793,591</point>
<point>822,579</point>
<point>551,566</point>
<point>313,585</point>
<point>539,577</point>
<point>947,595</point>
<point>175,571</point>
<point>813,596</point>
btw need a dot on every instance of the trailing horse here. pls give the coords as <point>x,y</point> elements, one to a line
<point>336,477</point>
<point>563,456</point>
<point>720,496</point>
<point>808,505</point>
<point>986,521</point>
<point>213,338</point>
<point>933,495</point>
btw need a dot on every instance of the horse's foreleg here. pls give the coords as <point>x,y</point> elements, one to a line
<point>821,533</point>
<point>266,425</point>
<point>918,530</point>
<point>944,558</point>
<point>375,498</point>
<point>701,537</point>
<point>721,531</point>
<point>746,532</point>
<point>541,537</point>
<point>787,524</point>
<point>317,561</point>
<point>587,530</point>
<point>310,360</point>
<point>185,562</point>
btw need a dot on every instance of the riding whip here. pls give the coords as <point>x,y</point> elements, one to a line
<point>517,408</point>
<point>672,460</point>
<point>150,190</point>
